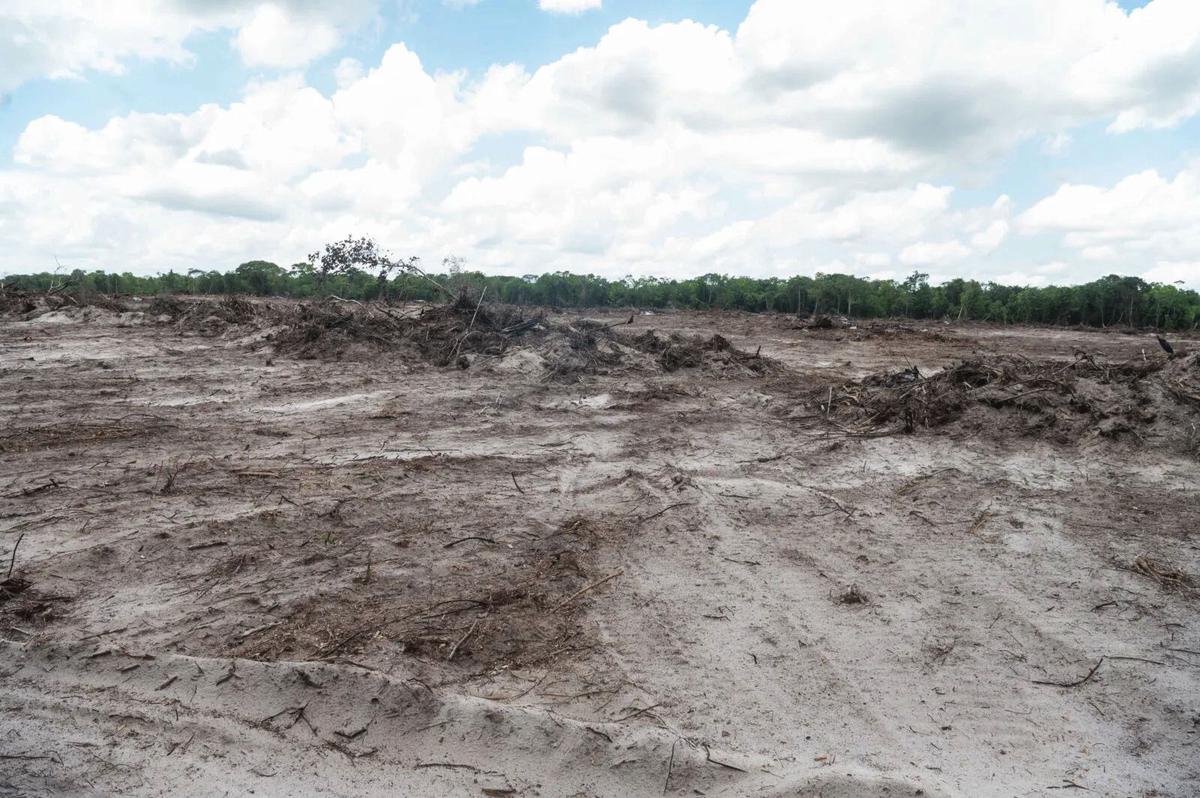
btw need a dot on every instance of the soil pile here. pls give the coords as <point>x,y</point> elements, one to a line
<point>1152,399</point>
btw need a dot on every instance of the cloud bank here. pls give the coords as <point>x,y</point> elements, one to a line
<point>810,138</point>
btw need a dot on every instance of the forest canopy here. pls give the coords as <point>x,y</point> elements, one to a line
<point>1108,301</point>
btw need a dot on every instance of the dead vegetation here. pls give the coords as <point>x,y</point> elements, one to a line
<point>852,596</point>
<point>494,606</point>
<point>467,331</point>
<point>461,332</point>
<point>81,433</point>
<point>677,351</point>
<point>1168,577</point>
<point>840,328</point>
<point>1154,397</point>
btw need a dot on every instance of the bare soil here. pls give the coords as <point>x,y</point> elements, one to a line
<point>348,550</point>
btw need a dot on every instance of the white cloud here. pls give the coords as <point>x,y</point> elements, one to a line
<point>347,72</point>
<point>1175,272</point>
<point>273,37</point>
<point>568,6</point>
<point>1144,218</point>
<point>990,237</point>
<point>67,38</point>
<point>806,139</point>
<point>933,253</point>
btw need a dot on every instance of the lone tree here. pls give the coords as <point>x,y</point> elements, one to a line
<point>343,257</point>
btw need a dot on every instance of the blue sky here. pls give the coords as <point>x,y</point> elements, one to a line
<point>775,137</point>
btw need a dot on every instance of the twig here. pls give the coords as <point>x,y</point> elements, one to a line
<point>663,510</point>
<point>454,543</point>
<point>595,584</point>
<point>258,629</point>
<point>670,767</point>
<point>598,733</point>
<point>637,714</point>
<point>830,498</point>
<point>1077,683</point>
<point>211,545</point>
<point>458,346</point>
<point>53,758</point>
<point>514,479</point>
<point>708,758</point>
<point>1137,659</point>
<point>13,561</point>
<point>463,639</point>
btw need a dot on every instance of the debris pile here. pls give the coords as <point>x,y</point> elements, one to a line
<point>207,316</point>
<point>840,328</point>
<point>441,334</point>
<point>14,301</point>
<point>1155,399</point>
<point>717,354</point>
<point>464,331</point>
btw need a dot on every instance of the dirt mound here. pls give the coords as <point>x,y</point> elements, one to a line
<point>1145,400</point>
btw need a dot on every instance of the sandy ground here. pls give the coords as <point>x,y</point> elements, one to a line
<point>249,574</point>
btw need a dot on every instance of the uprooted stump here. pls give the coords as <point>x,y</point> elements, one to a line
<point>1064,401</point>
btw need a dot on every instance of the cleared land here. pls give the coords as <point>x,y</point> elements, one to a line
<point>285,551</point>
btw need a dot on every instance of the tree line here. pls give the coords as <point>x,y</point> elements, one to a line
<point>1110,301</point>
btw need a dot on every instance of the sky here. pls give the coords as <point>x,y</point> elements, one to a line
<point>1028,142</point>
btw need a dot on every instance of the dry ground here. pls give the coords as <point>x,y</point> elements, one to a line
<point>240,572</point>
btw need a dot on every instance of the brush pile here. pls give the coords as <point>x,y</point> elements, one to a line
<point>1153,400</point>
<point>440,334</point>
<point>676,352</point>
<point>208,317</point>
<point>14,301</point>
<point>465,331</point>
